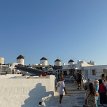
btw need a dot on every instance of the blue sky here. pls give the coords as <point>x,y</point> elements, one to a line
<point>66,29</point>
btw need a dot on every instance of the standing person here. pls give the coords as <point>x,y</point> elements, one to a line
<point>90,96</point>
<point>79,79</point>
<point>102,92</point>
<point>105,84</point>
<point>96,85</point>
<point>61,89</point>
<point>103,78</point>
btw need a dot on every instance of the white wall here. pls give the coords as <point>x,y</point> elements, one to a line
<point>20,61</point>
<point>24,92</point>
<point>44,62</point>
<point>58,63</point>
<point>98,68</point>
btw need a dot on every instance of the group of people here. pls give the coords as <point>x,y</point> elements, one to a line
<point>95,91</point>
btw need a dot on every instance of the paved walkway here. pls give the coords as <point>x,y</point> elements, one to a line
<point>74,97</point>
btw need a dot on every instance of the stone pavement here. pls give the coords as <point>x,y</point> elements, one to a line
<point>74,97</point>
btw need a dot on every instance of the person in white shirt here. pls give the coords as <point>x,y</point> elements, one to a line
<point>61,89</point>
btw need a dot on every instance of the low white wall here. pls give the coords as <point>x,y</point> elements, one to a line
<point>22,92</point>
<point>10,76</point>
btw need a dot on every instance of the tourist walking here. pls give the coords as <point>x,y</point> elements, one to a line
<point>61,89</point>
<point>79,79</point>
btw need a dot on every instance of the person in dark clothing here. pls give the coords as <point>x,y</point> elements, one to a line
<point>79,79</point>
<point>103,78</point>
<point>102,92</point>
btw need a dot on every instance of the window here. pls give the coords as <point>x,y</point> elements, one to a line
<point>105,71</point>
<point>93,72</point>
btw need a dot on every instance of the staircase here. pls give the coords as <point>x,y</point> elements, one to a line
<point>73,98</point>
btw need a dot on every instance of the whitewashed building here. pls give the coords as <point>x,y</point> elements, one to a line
<point>57,62</point>
<point>20,60</point>
<point>73,67</point>
<point>68,69</point>
<point>1,60</point>
<point>44,61</point>
<point>94,72</point>
<point>90,70</point>
<point>4,69</point>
